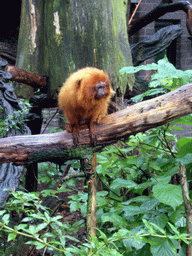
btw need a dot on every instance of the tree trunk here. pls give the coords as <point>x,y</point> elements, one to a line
<point>59,37</point>
<point>30,50</point>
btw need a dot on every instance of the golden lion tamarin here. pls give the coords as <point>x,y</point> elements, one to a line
<point>84,97</point>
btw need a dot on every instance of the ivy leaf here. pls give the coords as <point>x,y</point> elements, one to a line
<point>168,194</point>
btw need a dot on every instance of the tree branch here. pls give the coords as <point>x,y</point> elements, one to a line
<point>26,77</point>
<point>137,118</point>
<point>159,11</point>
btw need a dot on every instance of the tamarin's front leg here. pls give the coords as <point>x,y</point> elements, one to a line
<point>93,130</point>
<point>92,133</point>
<point>75,132</point>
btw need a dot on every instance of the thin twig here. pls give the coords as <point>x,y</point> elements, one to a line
<point>167,144</point>
<point>64,174</point>
<point>187,203</point>
<point>133,14</point>
<point>50,120</point>
<point>107,187</point>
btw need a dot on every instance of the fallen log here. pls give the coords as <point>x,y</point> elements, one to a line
<point>137,118</point>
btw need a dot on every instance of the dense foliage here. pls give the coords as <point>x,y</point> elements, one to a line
<point>140,208</point>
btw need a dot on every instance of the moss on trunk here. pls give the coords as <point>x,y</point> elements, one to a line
<point>73,34</point>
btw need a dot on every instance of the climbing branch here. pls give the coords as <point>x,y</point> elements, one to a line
<point>137,118</point>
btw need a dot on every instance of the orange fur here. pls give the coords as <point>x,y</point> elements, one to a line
<point>81,100</point>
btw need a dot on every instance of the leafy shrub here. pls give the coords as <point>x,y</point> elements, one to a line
<point>165,78</point>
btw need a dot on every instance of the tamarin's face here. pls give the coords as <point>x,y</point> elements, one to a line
<point>97,88</point>
<point>101,90</point>
<point>97,91</point>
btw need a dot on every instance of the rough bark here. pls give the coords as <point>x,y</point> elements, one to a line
<point>137,118</point>
<point>30,50</point>
<point>26,77</point>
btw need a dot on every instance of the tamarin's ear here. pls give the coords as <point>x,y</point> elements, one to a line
<point>79,89</point>
<point>78,83</point>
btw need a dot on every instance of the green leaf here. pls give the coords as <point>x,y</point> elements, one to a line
<point>187,120</point>
<point>131,69</point>
<point>122,183</point>
<point>47,217</point>
<point>158,228</point>
<point>31,230</point>
<point>27,219</point>
<point>132,210</point>
<point>151,92</point>
<point>149,226</point>
<point>11,237</point>
<point>184,146</point>
<point>38,244</point>
<point>74,206</point>
<point>144,251</point>
<point>21,226</point>
<point>2,212</point>
<point>6,218</point>
<point>41,226</point>
<point>95,240</point>
<point>187,159</point>
<point>150,204</point>
<point>101,201</point>
<point>162,247</point>
<point>173,228</point>
<point>178,218</point>
<point>114,218</point>
<point>168,194</point>
<point>160,220</point>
